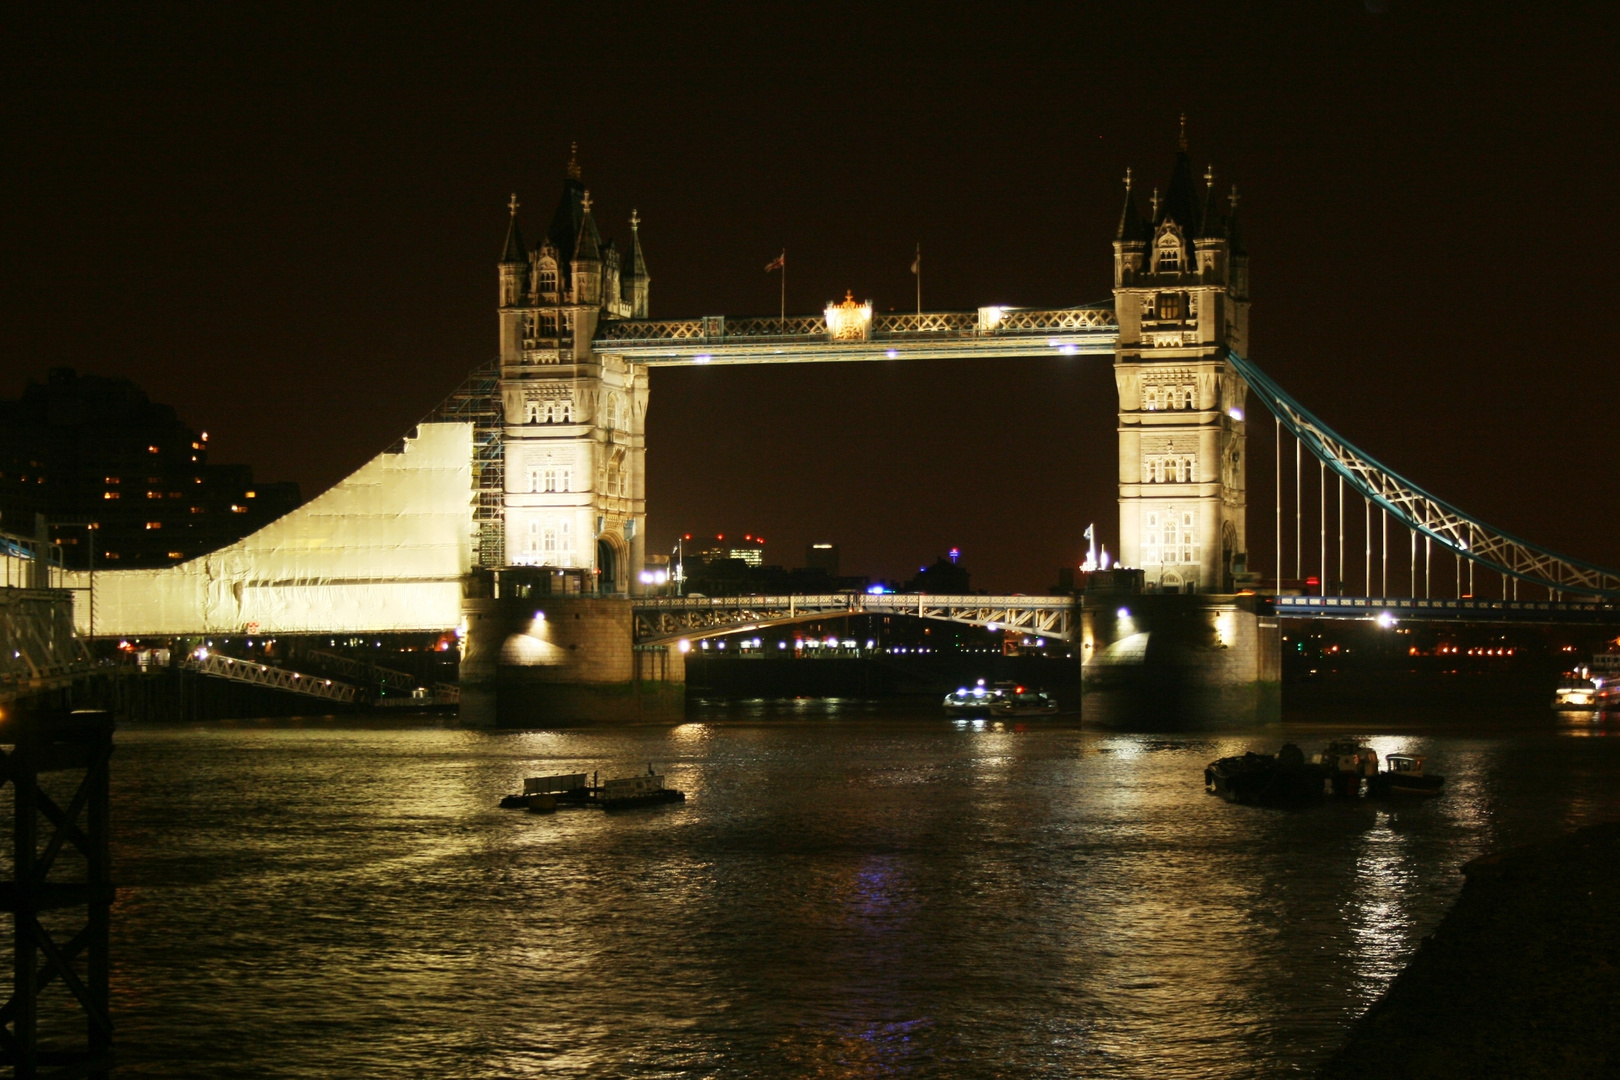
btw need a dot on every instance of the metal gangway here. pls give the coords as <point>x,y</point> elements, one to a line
<point>256,674</point>
<point>671,618</point>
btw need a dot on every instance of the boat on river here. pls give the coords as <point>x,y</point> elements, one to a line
<point>1404,775</point>
<point>976,700</point>
<point>1281,779</point>
<point>1024,702</point>
<point>566,791</point>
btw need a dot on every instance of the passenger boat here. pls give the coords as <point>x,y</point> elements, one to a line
<point>975,700</point>
<point>1283,779</point>
<point>1591,686</point>
<point>1404,776</point>
<point>1024,702</point>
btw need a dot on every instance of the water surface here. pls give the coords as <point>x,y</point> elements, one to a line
<point>846,893</point>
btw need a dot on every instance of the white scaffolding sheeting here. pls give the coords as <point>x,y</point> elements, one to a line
<point>383,550</point>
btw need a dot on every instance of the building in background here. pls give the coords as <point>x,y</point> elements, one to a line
<point>100,460</point>
<point>822,557</point>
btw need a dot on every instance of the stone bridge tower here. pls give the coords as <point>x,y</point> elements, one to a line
<point>1181,294</point>
<point>575,423</point>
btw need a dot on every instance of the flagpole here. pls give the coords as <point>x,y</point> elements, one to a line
<point>784,290</point>
<point>919,279</point>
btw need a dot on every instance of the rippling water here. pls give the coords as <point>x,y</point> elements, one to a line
<point>844,894</point>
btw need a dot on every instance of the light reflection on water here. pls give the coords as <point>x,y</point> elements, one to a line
<point>846,893</point>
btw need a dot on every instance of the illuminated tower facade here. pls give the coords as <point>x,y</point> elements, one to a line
<point>575,423</point>
<point>1181,294</point>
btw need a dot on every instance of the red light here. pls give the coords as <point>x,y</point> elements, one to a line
<point>722,536</point>
<point>748,536</point>
<point>688,536</point>
<point>1313,581</point>
<point>1018,690</point>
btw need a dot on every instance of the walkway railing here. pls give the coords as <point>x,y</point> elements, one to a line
<point>665,619</point>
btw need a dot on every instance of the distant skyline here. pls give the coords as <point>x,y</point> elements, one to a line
<point>284,221</point>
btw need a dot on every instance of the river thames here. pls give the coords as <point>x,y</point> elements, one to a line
<point>846,893</point>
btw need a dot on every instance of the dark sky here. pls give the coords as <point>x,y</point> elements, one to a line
<point>284,220</point>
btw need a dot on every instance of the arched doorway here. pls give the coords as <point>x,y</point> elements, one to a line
<point>607,567</point>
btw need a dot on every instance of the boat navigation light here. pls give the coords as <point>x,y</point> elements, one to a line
<point>981,682</point>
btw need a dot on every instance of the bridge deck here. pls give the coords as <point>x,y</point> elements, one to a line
<point>665,619</point>
<point>1408,609</point>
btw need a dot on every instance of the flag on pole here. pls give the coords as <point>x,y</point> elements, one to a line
<point>916,264</point>
<point>778,263</point>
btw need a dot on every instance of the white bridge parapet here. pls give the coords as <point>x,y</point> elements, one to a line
<point>664,619</point>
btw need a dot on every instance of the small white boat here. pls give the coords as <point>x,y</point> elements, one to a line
<point>976,700</point>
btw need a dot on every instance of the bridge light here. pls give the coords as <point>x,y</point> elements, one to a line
<point>1235,413</point>
<point>990,627</point>
<point>1068,350</point>
<point>891,353</point>
<point>1385,619</point>
<point>683,646</point>
<point>1123,613</point>
<point>702,358</point>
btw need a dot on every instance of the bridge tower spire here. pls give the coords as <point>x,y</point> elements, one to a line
<point>573,436</point>
<point>1181,299</point>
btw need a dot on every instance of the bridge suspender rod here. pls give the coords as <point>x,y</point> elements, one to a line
<point>1341,534</point>
<point>1299,509</point>
<point>1428,562</point>
<point>1321,522</point>
<point>1277,446</point>
<point>1384,549</point>
<point>1366,532</point>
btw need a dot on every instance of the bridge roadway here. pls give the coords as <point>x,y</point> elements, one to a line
<point>660,620</point>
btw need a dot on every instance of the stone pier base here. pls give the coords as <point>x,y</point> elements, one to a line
<point>562,661</point>
<point>1157,662</point>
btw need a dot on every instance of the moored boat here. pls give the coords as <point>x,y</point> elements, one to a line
<point>1281,779</point>
<point>975,700</point>
<point>1404,775</point>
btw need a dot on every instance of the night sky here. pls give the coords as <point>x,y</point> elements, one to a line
<point>284,220</point>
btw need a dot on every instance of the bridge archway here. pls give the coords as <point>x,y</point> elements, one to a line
<point>609,566</point>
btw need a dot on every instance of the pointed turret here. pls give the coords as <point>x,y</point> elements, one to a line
<point>514,251</point>
<point>1214,222</point>
<point>636,281</point>
<point>514,263</point>
<point>587,263</point>
<point>1131,225</point>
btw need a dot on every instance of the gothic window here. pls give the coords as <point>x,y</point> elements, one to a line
<point>1152,399</point>
<point>1172,538</point>
<point>1169,252</point>
<point>1189,546</point>
<point>1187,397</point>
<point>548,544</point>
<point>1150,538</point>
<point>531,543</point>
<point>531,412</point>
<point>548,323</point>
<point>548,276</point>
<point>549,480</point>
<point>534,479</point>
<point>1169,305</point>
<point>559,412</point>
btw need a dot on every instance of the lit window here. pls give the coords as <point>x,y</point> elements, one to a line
<point>250,494</point>
<point>113,480</point>
<point>109,555</point>
<point>154,494</point>
<point>110,495</point>
<point>151,449</point>
<point>1169,305</point>
<point>235,509</point>
<point>198,510</point>
<point>196,446</point>
<point>175,555</point>
<point>154,524</point>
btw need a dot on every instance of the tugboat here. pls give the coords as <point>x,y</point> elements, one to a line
<point>1285,779</point>
<point>1404,776</point>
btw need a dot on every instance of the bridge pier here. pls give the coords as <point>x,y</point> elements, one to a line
<point>550,660</point>
<point>1167,661</point>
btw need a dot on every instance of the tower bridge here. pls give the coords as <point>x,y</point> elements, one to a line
<point>535,466</point>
